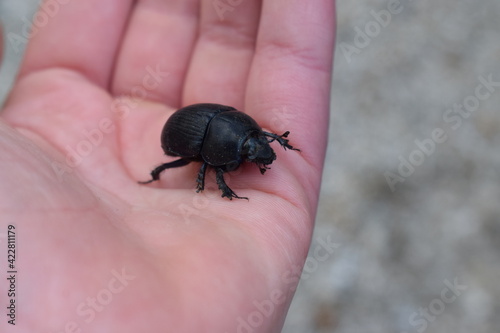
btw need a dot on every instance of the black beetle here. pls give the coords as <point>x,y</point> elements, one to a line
<point>218,136</point>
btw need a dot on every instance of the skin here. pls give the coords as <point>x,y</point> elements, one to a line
<point>193,262</point>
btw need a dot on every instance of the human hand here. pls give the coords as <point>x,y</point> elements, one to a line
<point>96,251</point>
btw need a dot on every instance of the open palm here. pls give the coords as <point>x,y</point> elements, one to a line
<point>98,252</point>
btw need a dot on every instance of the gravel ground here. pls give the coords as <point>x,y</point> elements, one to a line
<point>408,233</point>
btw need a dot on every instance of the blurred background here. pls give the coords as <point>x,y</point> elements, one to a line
<point>408,234</point>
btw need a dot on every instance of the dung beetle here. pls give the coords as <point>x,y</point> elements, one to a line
<point>219,136</point>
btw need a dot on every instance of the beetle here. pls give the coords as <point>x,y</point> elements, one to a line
<point>220,137</point>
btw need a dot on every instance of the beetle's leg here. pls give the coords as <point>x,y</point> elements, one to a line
<point>155,174</point>
<point>226,191</point>
<point>263,168</point>
<point>281,139</point>
<point>201,178</point>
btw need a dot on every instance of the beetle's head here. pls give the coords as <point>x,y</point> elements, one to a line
<point>256,149</point>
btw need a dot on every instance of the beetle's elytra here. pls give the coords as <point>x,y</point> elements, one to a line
<point>220,137</point>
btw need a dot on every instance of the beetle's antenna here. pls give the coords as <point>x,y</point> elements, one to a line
<point>281,139</point>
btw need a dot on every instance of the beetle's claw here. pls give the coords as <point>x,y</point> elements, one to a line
<point>263,168</point>
<point>200,185</point>
<point>284,142</point>
<point>231,195</point>
<point>226,191</point>
<point>154,177</point>
<point>285,146</point>
<point>200,180</point>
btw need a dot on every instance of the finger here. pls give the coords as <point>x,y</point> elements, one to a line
<point>292,66</point>
<point>156,50</point>
<point>79,35</point>
<point>219,68</point>
<point>289,83</point>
